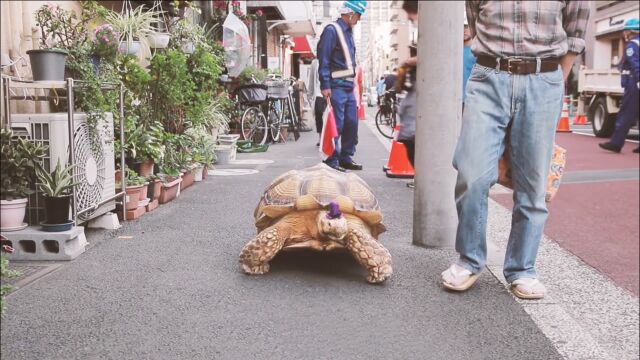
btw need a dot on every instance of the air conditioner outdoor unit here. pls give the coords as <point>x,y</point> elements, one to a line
<point>95,170</point>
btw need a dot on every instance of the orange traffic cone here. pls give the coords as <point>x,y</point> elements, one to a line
<point>361,114</point>
<point>563,123</point>
<point>580,120</point>
<point>398,165</point>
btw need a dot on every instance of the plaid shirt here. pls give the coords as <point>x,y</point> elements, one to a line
<point>527,29</point>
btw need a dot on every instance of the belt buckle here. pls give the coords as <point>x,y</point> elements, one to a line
<point>511,62</point>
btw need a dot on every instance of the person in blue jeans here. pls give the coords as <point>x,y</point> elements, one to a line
<point>337,64</point>
<point>629,79</point>
<point>516,84</point>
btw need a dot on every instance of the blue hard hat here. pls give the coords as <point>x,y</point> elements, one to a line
<point>357,6</point>
<point>632,24</point>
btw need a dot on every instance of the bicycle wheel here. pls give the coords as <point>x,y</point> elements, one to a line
<point>275,119</point>
<point>254,126</point>
<point>386,123</point>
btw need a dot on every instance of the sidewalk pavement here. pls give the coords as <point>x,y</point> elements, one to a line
<point>175,290</point>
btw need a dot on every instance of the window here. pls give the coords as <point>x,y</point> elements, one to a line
<point>326,9</point>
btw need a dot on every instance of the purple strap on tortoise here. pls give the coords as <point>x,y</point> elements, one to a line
<point>334,211</point>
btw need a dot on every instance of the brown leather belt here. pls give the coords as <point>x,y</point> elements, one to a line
<point>519,66</point>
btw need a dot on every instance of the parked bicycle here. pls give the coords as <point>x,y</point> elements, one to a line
<point>386,117</point>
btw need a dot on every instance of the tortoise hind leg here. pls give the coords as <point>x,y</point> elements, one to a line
<point>370,254</point>
<point>255,256</point>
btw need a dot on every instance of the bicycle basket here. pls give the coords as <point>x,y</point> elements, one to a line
<point>278,90</point>
<point>252,93</point>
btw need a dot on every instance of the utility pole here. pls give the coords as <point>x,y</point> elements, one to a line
<point>439,108</point>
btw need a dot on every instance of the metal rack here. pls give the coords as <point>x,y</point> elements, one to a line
<point>70,85</point>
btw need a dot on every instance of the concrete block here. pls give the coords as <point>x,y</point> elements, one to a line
<point>107,221</point>
<point>33,244</point>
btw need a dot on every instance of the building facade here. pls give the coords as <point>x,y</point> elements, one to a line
<point>604,41</point>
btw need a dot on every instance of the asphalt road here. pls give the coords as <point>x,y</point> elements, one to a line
<point>175,290</point>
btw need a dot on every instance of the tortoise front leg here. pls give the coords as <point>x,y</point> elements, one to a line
<point>255,256</point>
<point>370,254</point>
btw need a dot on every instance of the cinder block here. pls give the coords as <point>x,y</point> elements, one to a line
<point>33,244</point>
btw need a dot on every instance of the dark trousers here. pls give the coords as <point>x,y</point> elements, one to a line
<point>627,115</point>
<point>318,108</point>
<point>410,145</point>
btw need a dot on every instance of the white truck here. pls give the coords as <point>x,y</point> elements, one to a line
<point>600,95</point>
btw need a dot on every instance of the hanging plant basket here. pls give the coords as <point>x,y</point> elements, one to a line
<point>47,64</point>
<point>188,47</point>
<point>129,48</point>
<point>158,40</point>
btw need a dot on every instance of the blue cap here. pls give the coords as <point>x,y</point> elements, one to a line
<point>632,24</point>
<point>358,6</point>
<point>334,211</point>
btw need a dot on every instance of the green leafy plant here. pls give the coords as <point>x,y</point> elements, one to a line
<point>172,89</point>
<point>18,160</point>
<point>251,73</point>
<point>57,183</point>
<point>106,41</point>
<point>203,146</point>
<point>65,29</point>
<point>133,179</point>
<point>5,273</point>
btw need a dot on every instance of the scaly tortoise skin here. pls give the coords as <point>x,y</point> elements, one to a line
<point>292,213</point>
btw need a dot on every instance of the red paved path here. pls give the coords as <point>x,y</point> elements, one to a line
<point>599,221</point>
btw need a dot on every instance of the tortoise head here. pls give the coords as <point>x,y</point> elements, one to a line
<point>332,223</point>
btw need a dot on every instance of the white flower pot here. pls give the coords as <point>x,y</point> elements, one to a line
<point>188,47</point>
<point>198,174</point>
<point>129,48</point>
<point>12,214</point>
<point>158,40</point>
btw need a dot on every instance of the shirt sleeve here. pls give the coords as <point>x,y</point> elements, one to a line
<point>326,45</point>
<point>632,57</point>
<point>473,9</point>
<point>574,21</point>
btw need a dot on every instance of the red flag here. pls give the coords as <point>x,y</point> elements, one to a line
<point>329,133</point>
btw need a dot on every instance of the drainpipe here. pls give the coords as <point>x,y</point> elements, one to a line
<point>439,116</point>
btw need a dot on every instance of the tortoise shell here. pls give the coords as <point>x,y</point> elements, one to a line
<point>313,189</point>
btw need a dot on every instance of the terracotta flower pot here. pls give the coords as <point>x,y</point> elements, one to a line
<point>143,192</point>
<point>133,196</point>
<point>187,179</point>
<point>12,214</point>
<point>118,176</point>
<point>157,187</point>
<point>146,168</point>
<point>169,191</point>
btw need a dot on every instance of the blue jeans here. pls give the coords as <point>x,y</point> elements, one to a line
<point>345,111</point>
<point>530,106</point>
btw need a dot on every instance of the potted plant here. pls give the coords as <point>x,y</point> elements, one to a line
<point>154,188</point>
<point>133,25</point>
<point>18,159</point>
<point>105,45</point>
<point>136,189</point>
<point>56,187</point>
<point>48,62</point>
<point>171,180</point>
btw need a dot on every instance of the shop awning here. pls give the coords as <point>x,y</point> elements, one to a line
<point>303,46</point>
<point>294,27</point>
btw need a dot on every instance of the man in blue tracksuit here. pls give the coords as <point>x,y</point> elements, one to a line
<point>630,77</point>
<point>337,64</point>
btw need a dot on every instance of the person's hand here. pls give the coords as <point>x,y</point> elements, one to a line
<point>326,93</point>
<point>412,61</point>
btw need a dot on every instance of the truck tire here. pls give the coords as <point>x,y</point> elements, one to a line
<point>602,122</point>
